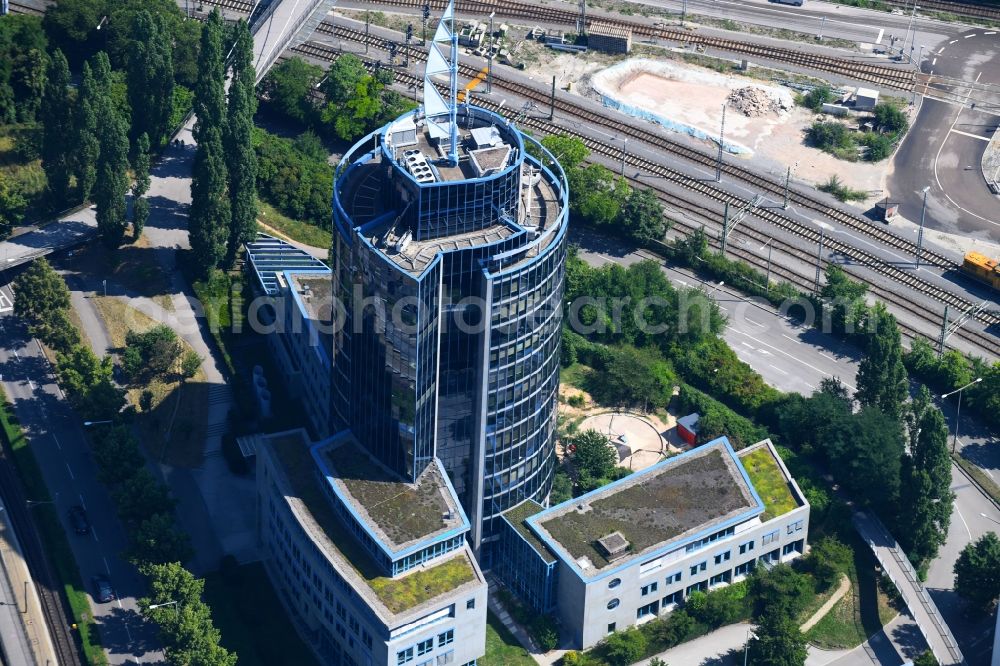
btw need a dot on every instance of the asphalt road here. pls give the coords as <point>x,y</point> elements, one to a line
<point>944,148</point>
<point>791,358</point>
<point>56,437</point>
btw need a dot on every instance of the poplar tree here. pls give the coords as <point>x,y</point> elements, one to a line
<point>882,380</point>
<point>87,146</point>
<point>210,208</point>
<point>240,155</point>
<point>57,126</point>
<point>140,167</point>
<point>111,184</point>
<point>150,77</point>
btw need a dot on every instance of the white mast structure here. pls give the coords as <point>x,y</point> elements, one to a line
<point>441,114</point>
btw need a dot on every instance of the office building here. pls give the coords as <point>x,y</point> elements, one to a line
<point>636,548</point>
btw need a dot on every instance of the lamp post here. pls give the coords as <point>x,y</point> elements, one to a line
<point>913,13</point>
<point>767,277</point>
<point>624,141</point>
<point>166,603</point>
<point>87,424</point>
<point>958,410</point>
<point>920,232</point>
<point>819,255</point>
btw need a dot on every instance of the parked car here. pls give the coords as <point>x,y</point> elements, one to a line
<point>78,520</point>
<point>103,590</point>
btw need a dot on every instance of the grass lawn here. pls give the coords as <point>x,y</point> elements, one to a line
<point>132,266</point>
<point>254,624</point>
<point>297,230</point>
<point>175,429</point>
<point>398,594</point>
<point>576,375</point>
<point>29,175</point>
<point>502,649</point>
<point>770,483</point>
<point>52,533</point>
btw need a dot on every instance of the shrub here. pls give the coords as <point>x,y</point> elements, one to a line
<point>842,192</point>
<point>625,647</point>
<point>816,98</point>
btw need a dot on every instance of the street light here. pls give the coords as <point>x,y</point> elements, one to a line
<point>958,411</point>
<point>920,233</point>
<point>93,423</point>
<point>164,604</point>
<point>767,278</point>
<point>989,518</point>
<point>624,141</point>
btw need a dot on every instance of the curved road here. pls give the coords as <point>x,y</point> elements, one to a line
<point>945,147</point>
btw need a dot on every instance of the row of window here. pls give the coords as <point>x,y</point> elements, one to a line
<point>424,647</point>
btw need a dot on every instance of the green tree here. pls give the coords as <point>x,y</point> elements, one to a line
<point>150,77</point>
<point>141,496</point>
<point>977,572</point>
<point>889,118</point>
<point>342,79</point>
<point>240,156</point>
<point>782,591</point>
<point>88,146</point>
<point>116,453</point>
<point>625,647</point>
<point>22,62</point>
<point>190,364</point>
<point>882,380</point>
<point>72,25</point>
<point>828,560</point>
<point>926,500</point>
<point>867,450</point>
<point>140,168</point>
<point>57,127</point>
<point>636,377</point>
<point>593,454</point>
<point>817,97</point>
<point>568,150</point>
<point>12,206</point>
<point>925,658</point>
<point>210,206</point>
<point>844,301</point>
<point>152,353</point>
<point>777,641</point>
<point>562,487</point>
<point>40,293</point>
<point>157,540</point>
<point>111,182</point>
<point>288,88</point>
<point>642,216</point>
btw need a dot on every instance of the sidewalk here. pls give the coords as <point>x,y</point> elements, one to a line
<point>23,630</point>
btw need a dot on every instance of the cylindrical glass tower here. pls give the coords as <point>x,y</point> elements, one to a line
<point>451,277</point>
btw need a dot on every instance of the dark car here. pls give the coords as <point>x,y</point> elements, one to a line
<point>78,520</point>
<point>103,590</point>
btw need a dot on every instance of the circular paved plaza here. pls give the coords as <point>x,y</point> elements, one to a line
<point>632,435</point>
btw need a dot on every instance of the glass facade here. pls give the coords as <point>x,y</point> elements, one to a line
<point>452,294</point>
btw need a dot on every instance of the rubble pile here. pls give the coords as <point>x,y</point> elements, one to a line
<point>754,102</point>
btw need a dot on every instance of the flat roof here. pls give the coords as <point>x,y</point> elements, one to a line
<point>270,256</point>
<point>315,290</point>
<point>400,514</point>
<point>517,516</point>
<point>773,483</point>
<point>299,479</point>
<point>672,502</point>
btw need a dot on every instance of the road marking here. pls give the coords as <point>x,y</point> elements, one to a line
<point>963,522</point>
<point>953,41</point>
<point>991,32</point>
<point>774,367</point>
<point>609,259</point>
<point>942,50</point>
<point>94,532</point>
<point>798,342</point>
<point>810,385</point>
<point>755,323</point>
<point>990,473</point>
<point>828,356</point>
<point>70,470</point>
<point>106,567</point>
<point>795,358</point>
<point>971,135</point>
<point>82,503</point>
<point>881,32</point>
<point>58,446</point>
<point>967,36</point>
<point>933,62</point>
<point>745,343</point>
<point>31,384</point>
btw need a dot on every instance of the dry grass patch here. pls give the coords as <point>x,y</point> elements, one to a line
<point>133,267</point>
<point>174,428</point>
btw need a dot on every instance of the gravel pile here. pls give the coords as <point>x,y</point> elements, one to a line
<point>754,102</point>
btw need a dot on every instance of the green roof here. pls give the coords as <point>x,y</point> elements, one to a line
<point>402,512</point>
<point>291,451</point>
<point>520,513</point>
<point>770,482</point>
<point>649,509</point>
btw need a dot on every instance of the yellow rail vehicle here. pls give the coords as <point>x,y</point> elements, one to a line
<point>982,268</point>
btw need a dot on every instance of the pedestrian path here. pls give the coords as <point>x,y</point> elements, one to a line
<point>845,585</point>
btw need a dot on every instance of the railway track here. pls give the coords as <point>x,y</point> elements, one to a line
<point>971,10</point>
<point>658,141</point>
<point>21,8</point>
<point>46,583</point>
<point>860,68</point>
<point>243,6</point>
<point>709,190</point>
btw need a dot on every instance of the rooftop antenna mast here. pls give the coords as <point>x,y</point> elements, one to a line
<point>442,121</point>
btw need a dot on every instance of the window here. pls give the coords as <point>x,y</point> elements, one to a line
<point>423,647</point>
<point>446,638</point>
<point>613,604</point>
<point>648,609</point>
<point>470,604</point>
<point>614,582</point>
<point>773,556</point>
<point>795,527</point>
<point>446,658</point>
<point>647,589</point>
<point>611,627</point>
<point>744,547</point>
<point>770,537</point>
<point>698,567</point>
<point>404,656</point>
<point>675,598</point>
<point>697,587</point>
<point>723,577</point>
<point>745,568</point>
<point>674,578</point>
<point>722,557</point>
<point>712,538</point>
